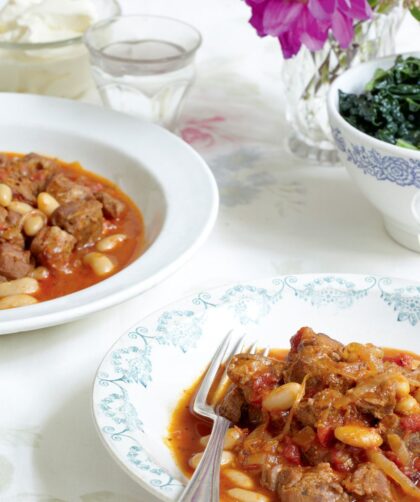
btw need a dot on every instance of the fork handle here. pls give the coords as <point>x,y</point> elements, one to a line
<point>204,485</point>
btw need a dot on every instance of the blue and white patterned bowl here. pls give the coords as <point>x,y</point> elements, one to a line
<point>388,175</point>
<point>142,377</point>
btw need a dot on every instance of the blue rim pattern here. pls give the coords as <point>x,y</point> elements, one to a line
<point>181,329</point>
<point>403,172</point>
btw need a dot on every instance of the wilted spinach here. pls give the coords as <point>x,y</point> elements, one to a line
<point>390,107</point>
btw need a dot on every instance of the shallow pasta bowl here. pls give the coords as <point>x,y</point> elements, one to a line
<point>170,183</point>
<point>163,354</point>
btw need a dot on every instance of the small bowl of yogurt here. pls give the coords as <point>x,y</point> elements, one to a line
<point>41,45</point>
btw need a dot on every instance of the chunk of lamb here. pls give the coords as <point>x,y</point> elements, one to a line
<point>9,228</point>
<point>235,408</point>
<point>375,395</point>
<point>66,190</point>
<point>370,483</point>
<point>23,187</point>
<point>310,484</point>
<point>232,405</point>
<point>83,219</point>
<point>3,217</point>
<point>52,247</point>
<point>37,169</point>
<point>319,408</point>
<point>315,355</point>
<point>14,261</point>
<point>255,375</point>
<point>112,207</point>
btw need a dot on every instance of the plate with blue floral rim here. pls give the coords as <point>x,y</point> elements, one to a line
<point>142,377</point>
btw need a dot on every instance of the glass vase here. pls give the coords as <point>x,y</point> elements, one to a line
<point>307,77</point>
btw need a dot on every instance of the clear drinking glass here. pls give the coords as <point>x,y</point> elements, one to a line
<point>143,65</point>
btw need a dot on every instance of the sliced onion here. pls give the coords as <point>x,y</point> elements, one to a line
<point>299,397</point>
<point>399,448</point>
<point>391,470</point>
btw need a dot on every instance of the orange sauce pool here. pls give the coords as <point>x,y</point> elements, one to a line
<point>186,429</point>
<point>129,223</point>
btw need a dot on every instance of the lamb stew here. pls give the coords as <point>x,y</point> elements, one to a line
<point>321,422</point>
<point>62,229</point>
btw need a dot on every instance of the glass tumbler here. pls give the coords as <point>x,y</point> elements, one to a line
<point>143,65</point>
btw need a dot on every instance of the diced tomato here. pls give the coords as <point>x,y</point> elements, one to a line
<point>411,423</point>
<point>291,452</point>
<point>391,455</point>
<point>403,360</point>
<point>260,385</point>
<point>295,341</point>
<point>325,435</point>
<point>342,460</point>
<point>416,464</point>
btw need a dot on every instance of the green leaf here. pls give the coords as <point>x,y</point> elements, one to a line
<point>405,144</point>
<point>389,108</point>
<point>415,12</point>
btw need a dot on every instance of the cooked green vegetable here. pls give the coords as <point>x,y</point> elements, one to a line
<point>390,107</point>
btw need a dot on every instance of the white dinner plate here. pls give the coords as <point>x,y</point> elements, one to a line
<point>142,377</point>
<point>168,180</point>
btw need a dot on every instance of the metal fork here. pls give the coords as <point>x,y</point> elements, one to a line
<point>204,484</point>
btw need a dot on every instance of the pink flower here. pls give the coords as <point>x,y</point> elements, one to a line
<point>307,22</point>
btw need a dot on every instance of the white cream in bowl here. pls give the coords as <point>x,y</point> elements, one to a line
<point>41,21</point>
<point>41,49</point>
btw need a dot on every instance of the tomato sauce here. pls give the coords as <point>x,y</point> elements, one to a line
<point>186,429</point>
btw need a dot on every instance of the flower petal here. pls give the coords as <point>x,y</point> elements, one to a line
<point>356,9</point>
<point>279,15</point>
<point>256,19</point>
<point>290,44</point>
<point>313,33</point>
<point>322,9</point>
<point>342,28</point>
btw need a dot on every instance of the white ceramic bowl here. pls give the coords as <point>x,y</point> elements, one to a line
<point>167,179</point>
<point>145,373</point>
<point>388,175</point>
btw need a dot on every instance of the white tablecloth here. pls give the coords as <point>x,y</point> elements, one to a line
<point>277,216</point>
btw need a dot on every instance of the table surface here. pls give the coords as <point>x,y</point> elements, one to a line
<point>277,216</point>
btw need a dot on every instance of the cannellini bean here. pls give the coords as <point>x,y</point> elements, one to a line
<point>10,302</point>
<point>20,207</point>
<point>47,203</point>
<point>238,478</point>
<point>282,398</point>
<point>233,435</point>
<point>246,495</point>
<point>226,458</point>
<point>99,263</point>
<point>40,273</point>
<point>402,385</point>
<point>24,286</point>
<point>33,224</point>
<point>110,242</point>
<point>407,405</point>
<point>6,195</point>
<point>195,460</point>
<point>355,435</point>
